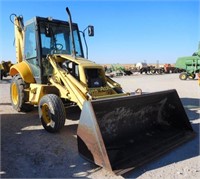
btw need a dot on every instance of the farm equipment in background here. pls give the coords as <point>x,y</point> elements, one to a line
<point>151,70</point>
<point>117,70</point>
<point>168,68</point>
<point>5,68</point>
<point>116,130</point>
<point>190,64</point>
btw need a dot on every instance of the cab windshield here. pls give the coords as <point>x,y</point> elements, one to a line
<point>56,39</point>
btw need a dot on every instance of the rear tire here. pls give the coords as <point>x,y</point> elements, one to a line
<point>192,76</point>
<point>52,113</point>
<point>18,95</point>
<point>183,76</point>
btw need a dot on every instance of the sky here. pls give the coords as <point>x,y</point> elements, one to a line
<point>128,32</point>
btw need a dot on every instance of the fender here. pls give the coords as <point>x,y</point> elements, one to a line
<point>24,70</point>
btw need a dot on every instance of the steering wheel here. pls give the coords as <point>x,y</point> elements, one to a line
<point>58,46</point>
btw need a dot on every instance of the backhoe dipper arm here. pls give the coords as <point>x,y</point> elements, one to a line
<point>19,35</point>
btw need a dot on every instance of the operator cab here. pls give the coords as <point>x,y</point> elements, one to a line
<point>45,36</point>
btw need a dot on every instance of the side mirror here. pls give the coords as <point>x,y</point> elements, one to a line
<point>90,30</point>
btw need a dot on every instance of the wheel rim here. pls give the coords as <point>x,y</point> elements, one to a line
<point>183,76</point>
<point>46,115</point>
<point>15,96</point>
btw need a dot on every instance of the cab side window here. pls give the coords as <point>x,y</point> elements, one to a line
<point>30,42</point>
<point>30,53</point>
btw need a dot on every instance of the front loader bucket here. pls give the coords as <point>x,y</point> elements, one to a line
<point>121,134</point>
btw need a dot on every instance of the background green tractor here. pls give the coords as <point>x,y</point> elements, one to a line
<point>190,64</point>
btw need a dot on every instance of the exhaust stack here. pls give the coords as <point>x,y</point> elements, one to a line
<point>71,33</point>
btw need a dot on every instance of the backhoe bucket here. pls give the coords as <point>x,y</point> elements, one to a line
<point>121,134</point>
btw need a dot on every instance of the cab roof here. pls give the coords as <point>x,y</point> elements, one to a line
<point>48,20</point>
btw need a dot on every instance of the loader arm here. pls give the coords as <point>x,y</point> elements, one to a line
<point>67,85</point>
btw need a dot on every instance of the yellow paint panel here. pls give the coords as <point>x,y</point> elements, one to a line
<point>37,91</point>
<point>24,70</point>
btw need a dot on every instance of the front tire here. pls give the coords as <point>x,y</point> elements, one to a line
<point>52,113</point>
<point>183,76</point>
<point>18,95</point>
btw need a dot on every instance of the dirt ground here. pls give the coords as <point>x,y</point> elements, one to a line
<point>28,151</point>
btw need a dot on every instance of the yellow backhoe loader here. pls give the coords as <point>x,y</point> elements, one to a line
<point>116,130</point>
